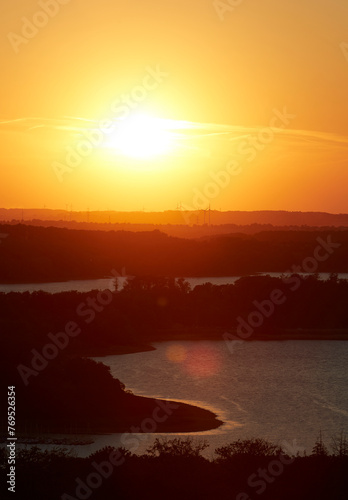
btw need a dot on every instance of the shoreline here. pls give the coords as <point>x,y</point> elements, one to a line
<point>286,335</point>
<point>54,280</point>
<point>138,414</point>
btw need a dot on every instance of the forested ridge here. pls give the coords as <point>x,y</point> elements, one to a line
<point>38,254</point>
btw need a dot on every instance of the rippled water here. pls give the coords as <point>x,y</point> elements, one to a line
<point>277,390</point>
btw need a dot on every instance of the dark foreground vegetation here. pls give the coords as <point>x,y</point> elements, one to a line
<point>148,309</point>
<point>172,469</point>
<point>38,254</point>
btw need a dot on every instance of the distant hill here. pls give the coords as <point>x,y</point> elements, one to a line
<point>180,217</point>
<point>178,223</point>
<point>39,254</point>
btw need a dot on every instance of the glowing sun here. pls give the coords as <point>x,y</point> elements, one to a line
<point>142,137</point>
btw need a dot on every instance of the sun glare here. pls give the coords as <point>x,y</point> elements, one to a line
<point>142,137</point>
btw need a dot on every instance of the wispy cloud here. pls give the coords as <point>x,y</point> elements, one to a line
<point>34,123</point>
<point>184,130</point>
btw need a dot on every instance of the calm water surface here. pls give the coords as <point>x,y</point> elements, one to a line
<point>277,390</point>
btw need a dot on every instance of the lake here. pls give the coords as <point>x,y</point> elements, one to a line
<point>278,390</point>
<point>108,283</point>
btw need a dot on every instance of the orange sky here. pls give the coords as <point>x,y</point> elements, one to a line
<point>252,99</point>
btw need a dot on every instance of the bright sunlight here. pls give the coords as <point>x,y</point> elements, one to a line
<point>142,137</point>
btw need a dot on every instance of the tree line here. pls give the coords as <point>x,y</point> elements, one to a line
<point>39,254</point>
<point>175,468</point>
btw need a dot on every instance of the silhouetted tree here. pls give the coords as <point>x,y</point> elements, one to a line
<point>339,445</point>
<point>177,447</point>
<point>319,449</point>
<point>254,447</point>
